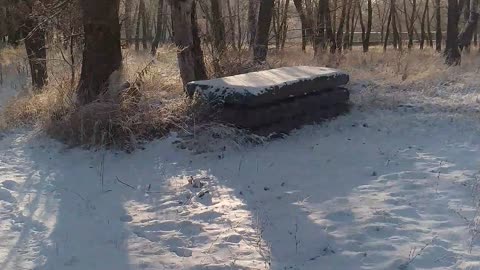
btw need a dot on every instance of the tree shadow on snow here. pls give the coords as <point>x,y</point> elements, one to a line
<point>68,222</point>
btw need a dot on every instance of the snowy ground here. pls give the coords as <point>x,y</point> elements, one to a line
<point>376,189</point>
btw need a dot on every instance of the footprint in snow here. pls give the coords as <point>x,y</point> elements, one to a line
<point>234,238</point>
<point>126,218</point>
<point>9,184</point>
<point>182,252</point>
<point>6,195</point>
<point>340,216</point>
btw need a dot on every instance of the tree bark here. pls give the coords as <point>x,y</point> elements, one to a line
<point>396,27</point>
<point>422,25</point>
<point>260,49</point>
<point>231,24</point>
<point>387,31</point>
<point>438,28</point>
<point>429,30</point>
<point>465,37</point>
<point>142,12</point>
<point>366,32</point>
<point>410,22</point>
<point>35,45</point>
<point>102,53</point>
<point>284,25</point>
<point>218,27</point>
<point>346,35</point>
<point>319,33</point>
<point>328,27</point>
<point>353,25</point>
<point>306,28</point>
<point>340,26</point>
<point>189,51</point>
<point>128,22</point>
<point>452,52</point>
<point>159,30</point>
<point>137,28</point>
<point>252,21</point>
<point>366,42</point>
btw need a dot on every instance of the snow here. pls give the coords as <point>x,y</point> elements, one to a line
<point>260,82</point>
<point>361,192</point>
<point>380,188</point>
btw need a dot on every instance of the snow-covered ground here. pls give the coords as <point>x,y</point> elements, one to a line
<point>375,189</point>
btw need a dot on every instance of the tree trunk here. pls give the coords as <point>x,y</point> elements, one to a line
<point>362,24</point>
<point>429,29</point>
<point>142,12</point>
<point>252,21</point>
<point>452,52</point>
<point>260,49</point>
<point>346,35</point>
<point>438,29</point>
<point>284,25</point>
<point>397,38</point>
<point>328,27</point>
<point>137,29</point>
<point>240,40</point>
<point>410,22</point>
<point>159,30</point>
<point>102,53</point>
<point>387,33</point>
<point>366,42</point>
<point>189,51</point>
<point>366,32</point>
<point>128,22</point>
<point>465,37</point>
<point>353,25</point>
<point>231,24</point>
<point>319,33</point>
<point>218,27</point>
<point>306,28</point>
<point>422,25</point>
<point>35,45</point>
<point>340,26</point>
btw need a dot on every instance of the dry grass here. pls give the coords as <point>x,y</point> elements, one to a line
<point>113,120</point>
<point>379,80</point>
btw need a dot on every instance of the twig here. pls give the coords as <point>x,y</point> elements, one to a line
<point>120,181</point>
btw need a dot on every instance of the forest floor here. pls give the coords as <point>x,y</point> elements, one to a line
<point>392,185</point>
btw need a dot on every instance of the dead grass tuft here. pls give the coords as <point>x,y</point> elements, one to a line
<point>153,106</point>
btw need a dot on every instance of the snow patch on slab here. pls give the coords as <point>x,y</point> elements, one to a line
<point>264,82</point>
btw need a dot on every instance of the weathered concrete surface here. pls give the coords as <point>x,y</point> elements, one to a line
<point>269,86</point>
<point>289,114</point>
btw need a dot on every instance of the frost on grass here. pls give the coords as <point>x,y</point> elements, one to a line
<point>216,138</point>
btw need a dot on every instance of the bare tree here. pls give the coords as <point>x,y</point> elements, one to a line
<point>189,54</point>
<point>217,26</point>
<point>280,27</point>
<point>340,26</point>
<point>438,26</point>
<point>159,30</point>
<point>252,21</point>
<point>423,35</point>
<point>137,28</point>
<point>142,15</point>
<point>264,21</point>
<point>306,27</point>
<point>366,32</point>
<point>101,53</point>
<point>452,52</point>
<point>35,43</point>
<point>410,21</point>
<point>465,37</point>
<point>128,21</point>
